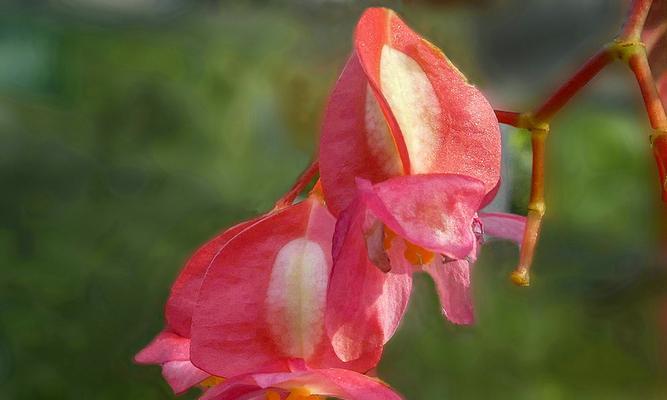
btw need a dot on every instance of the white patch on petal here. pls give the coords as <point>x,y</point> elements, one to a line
<point>379,138</point>
<point>296,297</point>
<point>415,105</point>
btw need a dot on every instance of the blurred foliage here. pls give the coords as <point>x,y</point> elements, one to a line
<point>126,139</point>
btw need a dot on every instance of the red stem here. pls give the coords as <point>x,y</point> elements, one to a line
<point>536,209</point>
<point>656,112</point>
<point>302,181</point>
<point>508,117</point>
<point>564,93</point>
<point>660,153</point>
<point>634,23</point>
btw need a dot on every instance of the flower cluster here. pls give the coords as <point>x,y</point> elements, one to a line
<point>298,303</point>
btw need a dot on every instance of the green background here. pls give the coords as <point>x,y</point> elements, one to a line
<point>130,132</point>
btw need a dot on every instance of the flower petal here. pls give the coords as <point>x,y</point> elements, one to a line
<point>184,291</point>
<point>167,346</point>
<point>182,375</point>
<point>263,299</point>
<point>434,211</point>
<point>364,304</point>
<point>504,226</point>
<point>355,139</point>
<point>446,124</point>
<point>172,351</point>
<point>241,387</point>
<point>339,383</point>
<point>452,281</point>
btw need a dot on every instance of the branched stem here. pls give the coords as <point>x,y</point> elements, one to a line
<point>536,206</point>
<point>634,22</point>
<point>628,48</point>
<point>573,85</point>
<point>638,63</point>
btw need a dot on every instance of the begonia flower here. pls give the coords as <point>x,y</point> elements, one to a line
<point>262,305</point>
<point>409,154</point>
<point>171,348</point>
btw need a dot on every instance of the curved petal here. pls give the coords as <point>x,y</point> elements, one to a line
<point>263,299</point>
<point>504,226</point>
<point>166,346</point>
<point>173,353</point>
<point>452,281</point>
<point>182,375</point>
<point>445,124</point>
<point>355,139</point>
<point>241,387</point>
<point>339,383</point>
<point>364,305</point>
<point>434,211</point>
<point>184,291</point>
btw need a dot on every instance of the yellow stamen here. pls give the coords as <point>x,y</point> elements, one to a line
<point>389,236</point>
<point>211,381</point>
<point>272,395</point>
<point>417,255</point>
<point>302,393</point>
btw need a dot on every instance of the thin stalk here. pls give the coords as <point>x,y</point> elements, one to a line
<point>508,117</point>
<point>302,181</point>
<point>634,23</point>
<point>536,209</point>
<point>639,65</point>
<point>566,91</point>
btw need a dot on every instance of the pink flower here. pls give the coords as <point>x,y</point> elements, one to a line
<point>171,348</point>
<point>410,152</point>
<point>260,314</point>
<point>246,315</point>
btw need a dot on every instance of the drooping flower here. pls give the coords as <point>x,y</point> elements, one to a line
<point>171,347</point>
<point>262,305</point>
<point>247,312</point>
<point>410,152</point>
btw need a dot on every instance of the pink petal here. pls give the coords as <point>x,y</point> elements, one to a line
<point>504,226</point>
<point>182,375</point>
<point>452,281</point>
<point>434,211</point>
<point>446,124</point>
<point>339,383</point>
<point>173,353</point>
<point>355,139</point>
<point>364,304</point>
<point>241,387</point>
<point>184,291</point>
<point>263,299</point>
<point>166,346</point>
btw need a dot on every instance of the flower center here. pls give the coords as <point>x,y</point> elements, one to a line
<point>415,255</point>
<point>295,394</point>
<point>211,381</point>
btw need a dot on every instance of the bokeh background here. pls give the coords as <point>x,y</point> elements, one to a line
<point>131,131</point>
